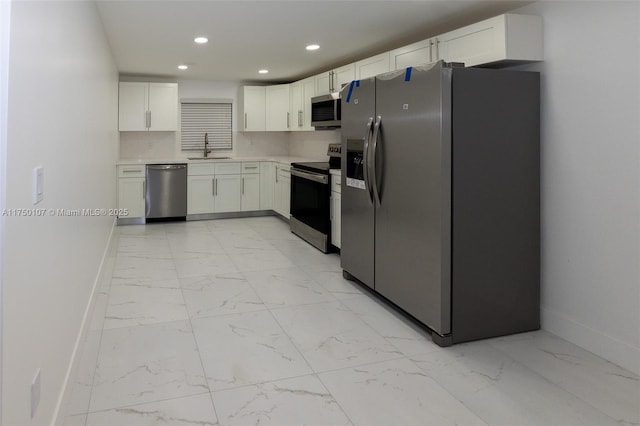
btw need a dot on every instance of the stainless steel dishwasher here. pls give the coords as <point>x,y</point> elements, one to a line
<point>166,193</point>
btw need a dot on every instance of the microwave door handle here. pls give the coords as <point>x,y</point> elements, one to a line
<point>365,160</point>
<point>375,181</point>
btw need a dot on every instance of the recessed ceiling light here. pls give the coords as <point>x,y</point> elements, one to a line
<point>182,67</point>
<point>313,47</point>
<point>263,71</point>
<point>201,40</point>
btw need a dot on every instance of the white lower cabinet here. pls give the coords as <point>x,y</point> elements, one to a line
<point>200,194</point>
<point>250,187</point>
<point>267,185</point>
<point>213,188</point>
<point>131,188</point>
<point>336,215</point>
<point>282,190</point>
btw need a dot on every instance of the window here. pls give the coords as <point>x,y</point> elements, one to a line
<point>212,117</point>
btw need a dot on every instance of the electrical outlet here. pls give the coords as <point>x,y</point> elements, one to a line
<point>35,393</point>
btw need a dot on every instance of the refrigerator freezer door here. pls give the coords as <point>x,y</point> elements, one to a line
<point>413,174</point>
<point>357,251</point>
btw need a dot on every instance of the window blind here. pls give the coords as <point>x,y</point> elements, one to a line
<point>212,118</point>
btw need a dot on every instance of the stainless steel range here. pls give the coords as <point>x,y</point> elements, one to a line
<point>310,199</point>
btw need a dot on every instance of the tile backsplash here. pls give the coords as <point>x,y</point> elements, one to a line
<point>164,145</point>
<point>147,145</point>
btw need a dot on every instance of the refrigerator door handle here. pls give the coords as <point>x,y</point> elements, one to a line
<point>365,160</point>
<point>374,149</point>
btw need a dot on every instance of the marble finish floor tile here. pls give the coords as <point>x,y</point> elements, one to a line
<point>145,364</point>
<point>246,322</point>
<point>611,389</point>
<point>502,391</point>
<point>243,349</point>
<point>331,337</point>
<point>292,402</point>
<point>131,305</point>
<point>259,259</point>
<point>398,330</point>
<point>188,411</point>
<point>209,265</point>
<point>144,267</point>
<point>222,294</point>
<point>395,392</point>
<point>286,287</point>
<point>331,279</point>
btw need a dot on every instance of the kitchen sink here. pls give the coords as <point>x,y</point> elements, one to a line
<point>208,158</point>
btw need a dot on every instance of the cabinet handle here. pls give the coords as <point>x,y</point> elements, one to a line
<point>276,175</point>
<point>243,185</point>
<point>288,124</point>
<point>331,73</point>
<point>437,50</point>
<point>149,119</point>
<point>251,167</point>
<point>132,171</point>
<point>216,186</point>
<point>299,118</point>
<point>245,120</point>
<point>213,187</point>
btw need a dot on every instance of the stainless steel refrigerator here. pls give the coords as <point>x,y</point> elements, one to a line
<point>441,196</point>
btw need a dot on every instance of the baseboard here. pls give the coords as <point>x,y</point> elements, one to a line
<point>608,347</point>
<point>65,392</point>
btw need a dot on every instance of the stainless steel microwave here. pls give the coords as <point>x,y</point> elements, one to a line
<point>325,111</point>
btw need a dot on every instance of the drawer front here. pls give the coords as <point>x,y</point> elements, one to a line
<point>283,171</point>
<point>228,168</point>
<point>335,184</point>
<point>200,169</point>
<point>250,167</point>
<point>134,170</point>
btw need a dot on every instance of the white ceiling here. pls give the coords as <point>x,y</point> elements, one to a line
<point>151,38</point>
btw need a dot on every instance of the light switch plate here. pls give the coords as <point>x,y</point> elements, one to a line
<point>38,184</point>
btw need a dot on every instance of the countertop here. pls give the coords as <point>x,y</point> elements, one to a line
<point>277,159</point>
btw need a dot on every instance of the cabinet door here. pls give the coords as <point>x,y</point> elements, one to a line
<point>336,218</point>
<point>254,105</point>
<point>200,194</point>
<point>475,44</point>
<point>163,107</point>
<point>250,191</point>
<point>132,106</point>
<point>277,99</point>
<point>343,75</point>
<point>131,196</point>
<point>323,83</point>
<point>308,92</point>
<point>286,196</point>
<point>412,55</point>
<point>295,105</point>
<point>267,185</point>
<point>227,193</point>
<point>373,66</point>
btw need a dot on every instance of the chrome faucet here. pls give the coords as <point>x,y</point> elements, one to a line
<point>206,142</point>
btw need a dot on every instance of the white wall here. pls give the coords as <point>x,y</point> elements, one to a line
<point>590,167</point>
<point>62,114</point>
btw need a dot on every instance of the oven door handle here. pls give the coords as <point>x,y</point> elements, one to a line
<point>323,179</point>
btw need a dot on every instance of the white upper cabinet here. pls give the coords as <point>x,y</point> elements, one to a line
<point>300,107</point>
<point>278,117</point>
<point>506,37</point>
<point>422,52</point>
<point>373,66</point>
<point>252,109</point>
<point>332,81</point>
<point>148,106</point>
